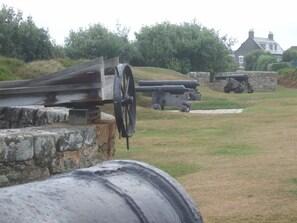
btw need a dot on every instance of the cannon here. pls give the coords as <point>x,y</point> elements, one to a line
<point>236,83</point>
<point>114,191</point>
<point>192,85</point>
<point>166,95</point>
<point>83,86</point>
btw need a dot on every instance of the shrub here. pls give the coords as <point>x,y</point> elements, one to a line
<point>277,66</point>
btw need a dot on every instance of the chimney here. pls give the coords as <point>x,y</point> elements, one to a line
<point>251,33</point>
<point>270,35</point>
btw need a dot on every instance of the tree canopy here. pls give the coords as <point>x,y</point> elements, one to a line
<point>258,60</point>
<point>183,48</point>
<point>289,55</point>
<point>98,41</point>
<point>21,38</point>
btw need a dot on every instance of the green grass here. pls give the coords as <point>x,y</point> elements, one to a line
<point>216,104</point>
<point>236,167</point>
<point>177,168</point>
<point>233,150</point>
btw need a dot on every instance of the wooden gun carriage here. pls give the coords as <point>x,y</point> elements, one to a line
<point>83,86</point>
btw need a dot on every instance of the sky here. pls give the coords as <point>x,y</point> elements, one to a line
<point>233,18</point>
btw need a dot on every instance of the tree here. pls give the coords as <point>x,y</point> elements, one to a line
<point>183,47</point>
<point>251,59</point>
<point>258,60</point>
<point>21,38</point>
<point>34,42</point>
<point>9,24</point>
<point>263,61</point>
<point>98,41</point>
<point>289,55</point>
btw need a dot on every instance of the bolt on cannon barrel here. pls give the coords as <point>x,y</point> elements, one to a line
<point>114,191</point>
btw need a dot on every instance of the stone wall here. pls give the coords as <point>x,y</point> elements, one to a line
<point>36,152</point>
<point>203,78</point>
<point>261,81</point>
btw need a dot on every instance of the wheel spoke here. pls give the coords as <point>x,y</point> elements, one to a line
<point>127,89</point>
<point>129,115</point>
<point>126,117</point>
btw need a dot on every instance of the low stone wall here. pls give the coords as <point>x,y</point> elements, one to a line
<point>261,81</point>
<point>36,152</point>
<point>203,78</point>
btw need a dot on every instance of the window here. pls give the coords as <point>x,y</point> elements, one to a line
<point>263,45</point>
<point>240,59</point>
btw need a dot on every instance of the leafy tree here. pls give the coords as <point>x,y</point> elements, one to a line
<point>34,42</point>
<point>289,55</point>
<point>263,61</point>
<point>251,59</point>
<point>21,38</point>
<point>258,60</point>
<point>183,47</point>
<point>9,24</point>
<point>98,41</point>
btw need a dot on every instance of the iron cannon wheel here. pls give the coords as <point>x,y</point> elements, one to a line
<point>124,101</point>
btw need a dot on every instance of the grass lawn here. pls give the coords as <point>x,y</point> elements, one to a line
<point>236,167</point>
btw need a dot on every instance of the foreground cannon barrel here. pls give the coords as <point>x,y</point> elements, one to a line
<point>173,89</point>
<point>187,83</point>
<point>114,191</point>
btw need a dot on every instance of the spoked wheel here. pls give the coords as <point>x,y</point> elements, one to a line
<point>124,101</point>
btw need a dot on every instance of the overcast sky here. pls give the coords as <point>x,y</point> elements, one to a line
<point>232,17</point>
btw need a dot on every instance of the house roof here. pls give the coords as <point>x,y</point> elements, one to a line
<point>271,46</point>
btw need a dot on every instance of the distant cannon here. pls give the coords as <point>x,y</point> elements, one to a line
<point>115,191</point>
<point>236,83</point>
<point>192,85</point>
<point>166,95</point>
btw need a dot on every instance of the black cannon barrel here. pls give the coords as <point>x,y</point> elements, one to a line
<point>173,89</point>
<point>187,83</point>
<point>238,77</point>
<point>115,191</point>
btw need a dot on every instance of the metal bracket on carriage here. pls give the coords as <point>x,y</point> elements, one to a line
<point>83,86</point>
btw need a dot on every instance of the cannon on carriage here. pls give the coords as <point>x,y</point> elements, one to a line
<point>191,85</point>
<point>83,86</point>
<point>170,93</point>
<point>236,83</point>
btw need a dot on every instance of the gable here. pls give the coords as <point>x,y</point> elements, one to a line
<point>246,47</point>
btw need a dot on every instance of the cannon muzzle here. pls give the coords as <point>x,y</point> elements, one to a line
<point>113,191</point>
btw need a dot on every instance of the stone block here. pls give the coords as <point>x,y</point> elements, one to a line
<point>44,148</point>
<point>70,139</point>
<point>51,115</point>
<point>16,147</point>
